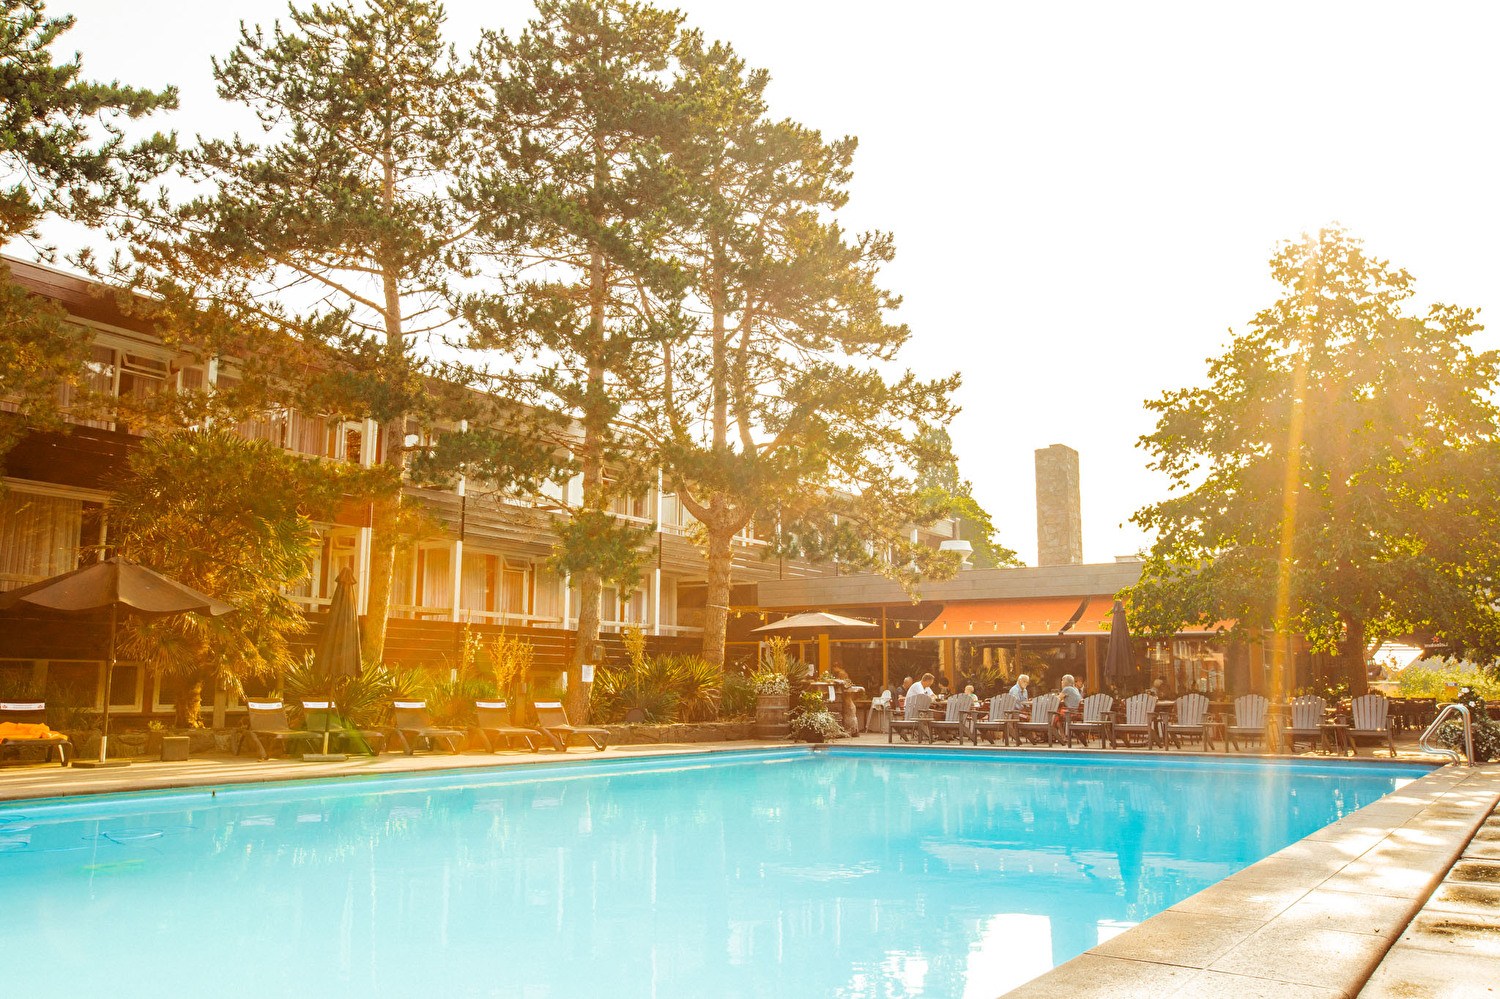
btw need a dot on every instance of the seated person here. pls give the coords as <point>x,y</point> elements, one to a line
<point>1020,691</point>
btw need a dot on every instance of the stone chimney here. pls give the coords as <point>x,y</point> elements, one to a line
<point>1059,513</point>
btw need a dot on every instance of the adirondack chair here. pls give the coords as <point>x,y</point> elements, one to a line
<point>1138,722</point>
<point>1191,720</point>
<point>1249,721</point>
<point>1094,716</point>
<point>1370,719</point>
<point>1308,712</point>
<point>1001,719</point>
<point>913,723</point>
<point>953,723</point>
<point>1040,723</point>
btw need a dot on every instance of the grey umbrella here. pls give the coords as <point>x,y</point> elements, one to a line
<point>338,652</point>
<point>119,586</point>
<point>1119,664</point>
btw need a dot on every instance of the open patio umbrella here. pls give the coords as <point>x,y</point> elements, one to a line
<point>120,587</point>
<point>1118,662</point>
<point>814,621</point>
<point>338,652</point>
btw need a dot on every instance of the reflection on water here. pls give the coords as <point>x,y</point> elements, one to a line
<point>826,875</point>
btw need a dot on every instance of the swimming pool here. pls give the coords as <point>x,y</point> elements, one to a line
<point>849,872</point>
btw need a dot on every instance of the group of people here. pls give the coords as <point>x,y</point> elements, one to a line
<point>1070,694</point>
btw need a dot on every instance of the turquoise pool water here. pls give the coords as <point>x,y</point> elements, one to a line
<point>784,873</point>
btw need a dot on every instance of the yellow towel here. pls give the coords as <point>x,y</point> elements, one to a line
<point>21,730</point>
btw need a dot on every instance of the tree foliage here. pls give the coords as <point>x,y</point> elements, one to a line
<point>231,518</point>
<point>1335,477</point>
<point>63,147</point>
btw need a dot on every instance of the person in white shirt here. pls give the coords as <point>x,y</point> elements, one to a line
<point>922,686</point>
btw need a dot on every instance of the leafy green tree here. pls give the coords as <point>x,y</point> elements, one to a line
<point>772,406</point>
<point>1335,477</point>
<point>232,518</point>
<point>332,244</point>
<point>63,147</point>
<point>63,153</point>
<point>574,110</point>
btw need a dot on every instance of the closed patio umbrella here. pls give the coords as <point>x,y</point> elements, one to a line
<point>1119,665</point>
<point>338,652</point>
<point>120,587</point>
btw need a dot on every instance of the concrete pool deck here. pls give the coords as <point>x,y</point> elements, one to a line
<point>1320,918</point>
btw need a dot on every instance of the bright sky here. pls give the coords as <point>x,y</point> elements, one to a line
<point>1084,195</point>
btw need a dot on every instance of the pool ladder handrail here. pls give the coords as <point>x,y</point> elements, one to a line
<point>1452,754</point>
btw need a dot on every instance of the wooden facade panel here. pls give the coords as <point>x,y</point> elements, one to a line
<point>84,457</point>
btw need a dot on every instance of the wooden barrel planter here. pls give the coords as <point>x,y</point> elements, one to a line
<point>771,712</point>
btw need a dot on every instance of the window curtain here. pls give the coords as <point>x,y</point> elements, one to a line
<point>437,579</point>
<point>39,537</point>
<point>474,595</point>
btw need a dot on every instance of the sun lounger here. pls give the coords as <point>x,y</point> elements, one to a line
<point>413,727</point>
<point>913,723</point>
<point>1001,719</point>
<point>1094,717</point>
<point>269,728</point>
<point>1138,721</point>
<point>24,723</point>
<point>552,718</point>
<point>321,716</point>
<point>1370,719</point>
<point>496,730</point>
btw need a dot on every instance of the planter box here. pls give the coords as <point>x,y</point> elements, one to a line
<point>771,711</point>
<point>175,747</point>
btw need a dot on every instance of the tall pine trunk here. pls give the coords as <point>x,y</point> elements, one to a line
<point>1352,657</point>
<point>716,610</point>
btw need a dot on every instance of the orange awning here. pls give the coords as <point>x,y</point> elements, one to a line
<point>1029,617</point>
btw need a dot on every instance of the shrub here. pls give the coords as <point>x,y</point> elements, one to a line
<point>698,684</point>
<point>737,699</point>
<point>1444,678</point>
<point>1486,738</point>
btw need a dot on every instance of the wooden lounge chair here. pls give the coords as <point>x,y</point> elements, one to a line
<point>496,730</point>
<point>913,722</point>
<point>413,726</point>
<point>1370,719</point>
<point>1040,722</point>
<point>29,719</point>
<point>1094,716</point>
<point>1001,719</point>
<point>1308,712</point>
<point>552,718</point>
<point>320,716</point>
<point>269,728</point>
<point>1138,721</point>
<point>1249,721</point>
<point>1191,720</point>
<point>953,723</point>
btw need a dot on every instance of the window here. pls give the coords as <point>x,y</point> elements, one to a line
<point>40,536</point>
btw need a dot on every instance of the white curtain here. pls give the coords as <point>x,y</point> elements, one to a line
<point>475,583</point>
<point>549,590</point>
<point>437,579</point>
<point>39,537</point>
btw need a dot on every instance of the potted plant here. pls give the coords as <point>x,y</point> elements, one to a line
<point>816,726</point>
<point>773,702</point>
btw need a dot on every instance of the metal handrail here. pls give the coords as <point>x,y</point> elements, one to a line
<point>1442,715</point>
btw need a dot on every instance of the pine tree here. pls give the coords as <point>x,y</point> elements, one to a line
<point>576,108</point>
